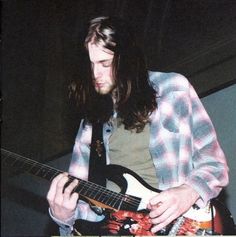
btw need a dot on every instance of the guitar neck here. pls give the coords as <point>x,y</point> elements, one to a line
<point>25,164</point>
<point>95,193</point>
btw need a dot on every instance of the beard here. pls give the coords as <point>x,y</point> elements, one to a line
<point>107,88</point>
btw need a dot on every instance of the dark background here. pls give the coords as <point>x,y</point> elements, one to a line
<point>40,56</point>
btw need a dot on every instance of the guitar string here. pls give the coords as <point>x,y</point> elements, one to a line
<point>119,196</point>
<point>123,197</point>
<point>106,194</point>
<point>103,195</point>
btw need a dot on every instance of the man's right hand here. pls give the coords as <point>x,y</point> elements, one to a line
<point>62,201</point>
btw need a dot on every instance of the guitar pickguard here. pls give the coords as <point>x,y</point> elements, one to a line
<point>131,184</point>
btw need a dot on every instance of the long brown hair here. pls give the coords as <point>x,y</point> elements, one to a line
<point>135,98</point>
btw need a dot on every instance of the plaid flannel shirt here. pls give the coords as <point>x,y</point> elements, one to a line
<point>183,143</point>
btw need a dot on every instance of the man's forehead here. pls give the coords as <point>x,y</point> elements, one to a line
<point>98,53</point>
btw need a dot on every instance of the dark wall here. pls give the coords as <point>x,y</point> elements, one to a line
<point>40,48</point>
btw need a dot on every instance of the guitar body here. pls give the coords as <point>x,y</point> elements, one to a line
<point>214,219</point>
<point>126,210</point>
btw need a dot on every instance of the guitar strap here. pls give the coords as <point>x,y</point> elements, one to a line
<point>97,159</point>
<point>97,162</point>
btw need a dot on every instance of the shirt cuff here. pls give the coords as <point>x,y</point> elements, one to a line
<point>68,224</point>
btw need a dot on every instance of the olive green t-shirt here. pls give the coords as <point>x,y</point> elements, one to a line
<point>131,150</point>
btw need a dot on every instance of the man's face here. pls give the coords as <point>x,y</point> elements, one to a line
<point>101,62</point>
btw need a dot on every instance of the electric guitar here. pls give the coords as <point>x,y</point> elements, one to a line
<point>125,211</point>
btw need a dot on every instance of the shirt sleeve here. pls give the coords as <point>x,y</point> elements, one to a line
<point>65,228</point>
<point>210,170</point>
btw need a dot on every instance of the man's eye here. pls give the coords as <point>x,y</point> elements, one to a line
<point>106,64</point>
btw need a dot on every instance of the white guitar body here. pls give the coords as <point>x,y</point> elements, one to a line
<point>134,187</point>
<point>196,221</point>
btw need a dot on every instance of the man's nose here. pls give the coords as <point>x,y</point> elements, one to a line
<point>97,71</point>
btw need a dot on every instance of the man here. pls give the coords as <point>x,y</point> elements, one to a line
<point>153,124</point>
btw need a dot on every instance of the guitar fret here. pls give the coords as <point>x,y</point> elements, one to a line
<point>38,172</point>
<point>15,162</point>
<point>108,196</point>
<point>85,192</point>
<point>102,197</point>
<point>99,193</point>
<point>127,204</point>
<point>80,187</point>
<point>103,194</point>
<point>41,172</point>
<point>51,174</point>
<point>26,166</point>
<point>33,169</point>
<point>114,202</point>
<point>96,195</point>
<point>46,174</point>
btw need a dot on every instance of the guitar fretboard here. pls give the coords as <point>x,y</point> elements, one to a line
<point>86,189</point>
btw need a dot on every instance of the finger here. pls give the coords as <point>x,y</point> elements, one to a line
<point>158,210</point>
<point>160,198</point>
<point>70,188</point>
<point>71,203</point>
<point>74,198</point>
<point>162,225</point>
<point>53,187</point>
<point>59,190</point>
<point>164,216</point>
<point>158,206</point>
